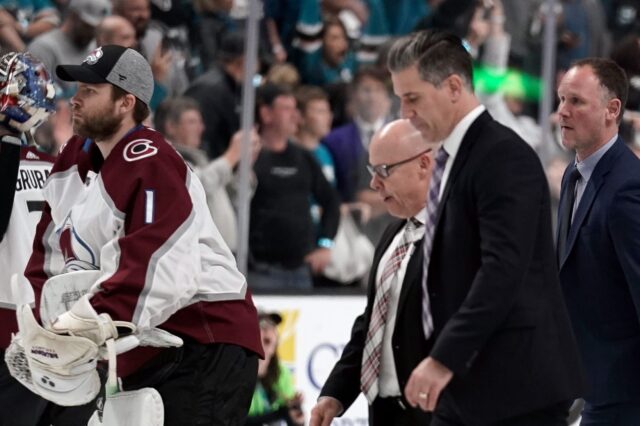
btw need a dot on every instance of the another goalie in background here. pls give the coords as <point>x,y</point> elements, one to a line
<point>26,100</point>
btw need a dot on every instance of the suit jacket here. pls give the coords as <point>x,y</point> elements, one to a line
<point>600,275</point>
<point>347,151</point>
<point>500,322</point>
<point>409,345</point>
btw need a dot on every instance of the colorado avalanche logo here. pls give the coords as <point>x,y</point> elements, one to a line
<point>78,256</point>
<point>94,56</point>
<point>139,149</point>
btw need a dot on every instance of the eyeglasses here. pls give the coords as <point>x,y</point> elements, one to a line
<point>383,170</point>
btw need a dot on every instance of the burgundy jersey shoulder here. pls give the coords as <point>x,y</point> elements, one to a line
<point>76,152</point>
<point>144,160</point>
<point>31,153</point>
<point>143,151</point>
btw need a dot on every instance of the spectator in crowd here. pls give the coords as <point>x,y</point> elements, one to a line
<point>490,292</point>
<point>137,12</point>
<point>349,144</point>
<point>115,29</point>
<point>385,343</point>
<point>179,119</point>
<point>622,18</point>
<point>598,246</point>
<point>505,103</point>
<point>149,217</point>
<point>168,72</point>
<point>283,75</point>
<point>331,62</point>
<point>315,123</point>
<point>219,93</point>
<point>285,246</point>
<point>72,42</point>
<point>213,23</point>
<point>23,20</point>
<point>298,22</point>
<point>275,399</point>
<point>581,31</point>
<point>627,54</point>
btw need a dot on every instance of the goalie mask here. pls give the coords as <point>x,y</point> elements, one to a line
<point>26,92</point>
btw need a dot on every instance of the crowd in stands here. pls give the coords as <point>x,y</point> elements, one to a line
<point>323,90</point>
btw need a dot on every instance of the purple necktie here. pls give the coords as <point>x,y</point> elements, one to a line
<point>433,200</point>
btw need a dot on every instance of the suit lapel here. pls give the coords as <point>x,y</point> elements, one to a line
<point>593,186</point>
<point>461,158</point>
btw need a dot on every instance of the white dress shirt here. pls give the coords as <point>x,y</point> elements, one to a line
<point>452,143</point>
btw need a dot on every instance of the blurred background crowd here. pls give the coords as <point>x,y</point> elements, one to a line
<point>323,90</point>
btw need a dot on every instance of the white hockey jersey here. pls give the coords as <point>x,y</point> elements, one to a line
<point>141,218</point>
<point>17,242</point>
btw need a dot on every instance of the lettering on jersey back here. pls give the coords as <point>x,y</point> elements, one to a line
<point>139,149</point>
<point>29,179</point>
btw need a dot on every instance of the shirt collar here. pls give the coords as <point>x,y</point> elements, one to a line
<point>586,166</point>
<point>421,216</point>
<point>452,142</point>
<point>363,126</point>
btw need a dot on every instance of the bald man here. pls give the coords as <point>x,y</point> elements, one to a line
<point>387,341</point>
<point>116,29</point>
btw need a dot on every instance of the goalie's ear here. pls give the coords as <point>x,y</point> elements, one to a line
<point>63,368</point>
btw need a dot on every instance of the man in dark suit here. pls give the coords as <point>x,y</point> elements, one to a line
<point>599,240</point>
<point>385,344</point>
<point>500,346</point>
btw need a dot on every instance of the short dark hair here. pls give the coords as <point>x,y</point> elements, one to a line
<point>611,77</point>
<point>369,71</point>
<point>140,109</point>
<point>306,94</point>
<point>231,46</point>
<point>333,21</point>
<point>267,94</point>
<point>171,109</point>
<point>437,54</point>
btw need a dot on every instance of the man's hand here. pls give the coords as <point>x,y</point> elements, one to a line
<point>318,260</point>
<point>324,411</point>
<point>426,382</point>
<point>234,151</point>
<point>160,64</point>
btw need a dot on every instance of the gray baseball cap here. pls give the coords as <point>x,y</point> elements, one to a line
<point>121,66</point>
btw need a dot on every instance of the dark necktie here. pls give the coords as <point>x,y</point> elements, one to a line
<point>566,211</point>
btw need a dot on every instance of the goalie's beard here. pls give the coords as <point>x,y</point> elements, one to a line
<point>98,125</point>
